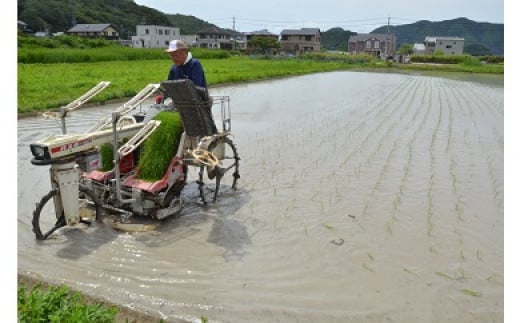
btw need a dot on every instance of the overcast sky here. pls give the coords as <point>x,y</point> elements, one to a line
<point>359,16</point>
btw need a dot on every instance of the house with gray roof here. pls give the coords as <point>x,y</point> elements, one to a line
<point>261,33</point>
<point>296,41</point>
<point>106,31</point>
<point>380,45</point>
<point>23,27</point>
<point>213,37</point>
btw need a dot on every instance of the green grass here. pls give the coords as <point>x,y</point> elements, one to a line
<point>159,149</point>
<point>73,49</point>
<point>47,86</point>
<point>58,304</point>
<point>112,53</point>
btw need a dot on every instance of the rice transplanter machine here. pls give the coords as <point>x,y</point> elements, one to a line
<point>80,189</point>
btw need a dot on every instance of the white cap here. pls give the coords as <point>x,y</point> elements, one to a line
<point>176,45</point>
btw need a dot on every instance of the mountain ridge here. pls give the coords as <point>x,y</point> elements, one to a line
<point>490,35</point>
<point>58,16</point>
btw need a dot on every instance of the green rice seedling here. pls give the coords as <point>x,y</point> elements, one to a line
<point>410,271</point>
<point>450,128</point>
<point>159,149</point>
<point>106,152</point>
<point>365,265</point>
<point>438,273</point>
<point>330,227</point>
<point>365,209</point>
<point>389,225</point>
<point>490,278</point>
<point>471,292</point>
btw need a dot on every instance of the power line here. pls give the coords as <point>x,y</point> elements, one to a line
<point>238,23</point>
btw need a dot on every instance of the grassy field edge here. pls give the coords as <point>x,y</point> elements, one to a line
<point>124,314</point>
<point>44,87</point>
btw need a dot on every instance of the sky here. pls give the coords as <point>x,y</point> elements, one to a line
<point>359,16</point>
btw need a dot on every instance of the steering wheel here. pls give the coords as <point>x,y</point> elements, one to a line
<point>205,157</point>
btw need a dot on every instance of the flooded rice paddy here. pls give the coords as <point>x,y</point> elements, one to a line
<point>363,197</point>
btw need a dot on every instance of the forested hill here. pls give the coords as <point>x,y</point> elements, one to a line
<point>489,35</point>
<point>59,15</point>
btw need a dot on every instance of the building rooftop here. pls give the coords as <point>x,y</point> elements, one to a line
<point>365,37</point>
<point>435,38</point>
<point>89,28</point>
<point>302,31</point>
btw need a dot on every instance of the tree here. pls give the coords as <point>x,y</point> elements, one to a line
<point>263,44</point>
<point>405,49</point>
<point>477,50</point>
<point>336,39</point>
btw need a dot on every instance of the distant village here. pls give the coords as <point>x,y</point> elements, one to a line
<point>291,41</point>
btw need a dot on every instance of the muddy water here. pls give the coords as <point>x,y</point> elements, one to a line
<point>363,197</point>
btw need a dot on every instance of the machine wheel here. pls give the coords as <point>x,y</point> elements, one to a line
<point>229,162</point>
<point>60,222</point>
<point>89,197</point>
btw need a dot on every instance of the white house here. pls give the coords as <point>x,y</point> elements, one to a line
<point>448,45</point>
<point>41,34</point>
<point>191,40</point>
<point>152,36</point>
<point>418,49</point>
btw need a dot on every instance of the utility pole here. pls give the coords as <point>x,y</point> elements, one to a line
<point>387,36</point>
<point>233,39</point>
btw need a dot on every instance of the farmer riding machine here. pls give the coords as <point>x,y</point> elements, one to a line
<point>135,162</point>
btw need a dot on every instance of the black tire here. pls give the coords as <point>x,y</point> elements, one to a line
<point>60,222</point>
